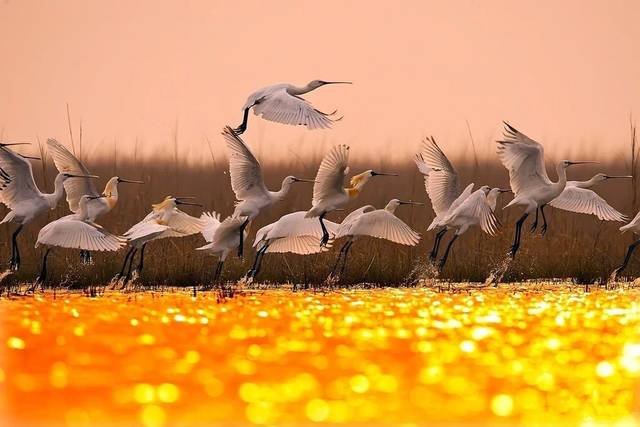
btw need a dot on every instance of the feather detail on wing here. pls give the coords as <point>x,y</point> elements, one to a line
<point>382,225</point>
<point>282,107</point>
<point>524,159</point>
<point>440,178</point>
<point>68,163</point>
<point>16,177</point>
<point>331,173</point>
<point>76,234</point>
<point>582,200</point>
<point>246,174</point>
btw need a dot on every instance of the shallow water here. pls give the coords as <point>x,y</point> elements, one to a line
<point>526,354</point>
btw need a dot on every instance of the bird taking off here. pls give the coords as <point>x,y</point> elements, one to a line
<point>247,182</point>
<point>378,223</point>
<point>329,192</point>
<point>66,162</point>
<point>524,159</point>
<point>282,103</point>
<point>454,208</point>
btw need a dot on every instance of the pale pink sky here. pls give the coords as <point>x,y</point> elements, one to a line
<point>567,73</point>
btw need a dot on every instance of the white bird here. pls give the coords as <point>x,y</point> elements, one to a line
<point>247,182</point>
<point>634,227</point>
<point>577,197</point>
<point>329,193</point>
<point>524,159</point>
<point>76,231</point>
<point>291,233</point>
<point>378,223</point>
<point>475,209</point>
<point>165,220</point>
<point>454,209</point>
<point>222,237</point>
<point>19,192</point>
<point>282,103</point>
<point>66,162</point>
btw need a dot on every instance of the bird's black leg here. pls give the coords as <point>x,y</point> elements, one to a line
<point>534,226</point>
<point>516,240</point>
<point>243,126</point>
<point>126,259</point>
<point>141,262</point>
<point>443,260</point>
<point>218,272</point>
<point>340,255</point>
<point>436,244</point>
<point>42,277</point>
<point>544,219</point>
<point>133,255</point>
<point>263,250</point>
<point>325,233</point>
<point>15,251</point>
<point>627,257</point>
<point>344,258</point>
<point>241,246</point>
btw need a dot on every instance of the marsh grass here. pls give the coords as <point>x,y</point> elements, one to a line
<point>576,246</point>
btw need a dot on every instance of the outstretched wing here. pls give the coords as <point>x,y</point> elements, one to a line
<point>583,200</point>
<point>16,176</point>
<point>246,174</point>
<point>68,163</point>
<point>440,178</point>
<point>282,107</point>
<point>331,173</point>
<point>75,234</point>
<point>524,159</point>
<point>211,222</point>
<point>383,225</point>
<point>182,223</point>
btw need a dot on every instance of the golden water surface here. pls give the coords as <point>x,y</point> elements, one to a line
<point>513,355</point>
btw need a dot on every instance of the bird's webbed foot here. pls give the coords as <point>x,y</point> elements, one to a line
<point>325,240</point>
<point>543,230</point>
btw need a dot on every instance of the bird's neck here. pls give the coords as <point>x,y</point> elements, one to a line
<point>83,212</point>
<point>492,200</point>
<point>299,90</point>
<point>562,179</point>
<point>53,198</point>
<point>391,208</point>
<point>355,189</point>
<point>284,189</point>
<point>586,184</point>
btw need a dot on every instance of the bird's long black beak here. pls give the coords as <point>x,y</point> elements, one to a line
<point>69,175</point>
<point>618,176</point>
<point>132,181</point>
<point>373,173</point>
<point>410,202</point>
<point>304,180</point>
<point>582,162</point>
<point>181,201</point>
<point>505,190</point>
<point>338,83</point>
<point>96,197</point>
<point>30,157</point>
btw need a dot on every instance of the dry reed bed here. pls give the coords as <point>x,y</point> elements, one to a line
<point>577,246</point>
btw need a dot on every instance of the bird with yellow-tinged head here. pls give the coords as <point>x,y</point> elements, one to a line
<point>358,181</point>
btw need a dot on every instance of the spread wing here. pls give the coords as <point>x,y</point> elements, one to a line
<point>331,173</point>
<point>246,174</point>
<point>301,245</point>
<point>383,225</point>
<point>282,107</point>
<point>211,222</point>
<point>476,206</point>
<point>75,234</point>
<point>524,159</point>
<point>583,200</point>
<point>68,163</point>
<point>440,178</point>
<point>16,177</point>
<point>145,230</point>
<point>183,224</point>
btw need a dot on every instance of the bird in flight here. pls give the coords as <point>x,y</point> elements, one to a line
<point>283,103</point>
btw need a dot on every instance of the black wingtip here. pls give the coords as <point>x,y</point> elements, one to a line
<point>509,127</point>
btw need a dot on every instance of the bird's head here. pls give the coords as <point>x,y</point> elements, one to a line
<point>291,179</point>
<point>357,181</point>
<point>314,84</point>
<point>394,203</point>
<point>492,195</point>
<point>599,177</point>
<point>564,164</point>
<point>131,181</point>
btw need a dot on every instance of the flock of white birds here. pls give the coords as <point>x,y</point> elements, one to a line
<point>303,232</point>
